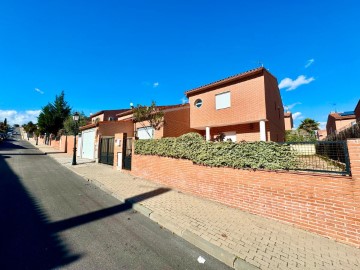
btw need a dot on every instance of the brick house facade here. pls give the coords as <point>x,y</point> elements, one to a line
<point>338,121</point>
<point>357,111</point>
<point>288,120</point>
<point>105,115</point>
<point>176,121</point>
<point>246,106</point>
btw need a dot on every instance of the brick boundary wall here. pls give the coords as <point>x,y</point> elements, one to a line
<point>325,204</point>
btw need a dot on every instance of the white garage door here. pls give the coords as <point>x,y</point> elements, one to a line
<point>145,133</point>
<point>88,143</point>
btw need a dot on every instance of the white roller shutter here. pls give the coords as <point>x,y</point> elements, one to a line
<point>88,143</point>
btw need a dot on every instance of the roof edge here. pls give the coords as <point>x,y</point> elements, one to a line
<point>230,79</point>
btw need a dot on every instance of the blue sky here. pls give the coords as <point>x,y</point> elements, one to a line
<point>106,54</point>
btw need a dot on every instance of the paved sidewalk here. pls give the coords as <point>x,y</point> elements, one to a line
<point>240,239</point>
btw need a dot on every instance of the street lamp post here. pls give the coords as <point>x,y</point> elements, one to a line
<point>76,117</point>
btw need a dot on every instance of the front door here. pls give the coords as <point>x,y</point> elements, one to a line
<point>107,151</point>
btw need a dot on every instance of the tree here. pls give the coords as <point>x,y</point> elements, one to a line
<point>148,115</point>
<point>69,125</point>
<point>30,127</point>
<point>53,115</point>
<point>309,125</point>
<point>299,136</point>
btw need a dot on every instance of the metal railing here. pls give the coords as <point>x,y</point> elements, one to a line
<point>321,156</point>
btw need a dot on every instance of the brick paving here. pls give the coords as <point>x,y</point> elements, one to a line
<point>262,242</point>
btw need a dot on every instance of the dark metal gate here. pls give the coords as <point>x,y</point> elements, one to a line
<point>107,151</point>
<point>128,152</point>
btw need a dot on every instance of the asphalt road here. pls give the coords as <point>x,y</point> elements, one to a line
<point>50,218</point>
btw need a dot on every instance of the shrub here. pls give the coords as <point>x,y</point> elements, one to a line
<point>191,146</point>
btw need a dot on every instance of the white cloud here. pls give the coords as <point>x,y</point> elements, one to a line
<point>15,117</point>
<point>155,84</point>
<point>297,115</point>
<point>39,91</point>
<point>289,84</point>
<point>309,63</point>
<point>289,107</point>
<point>322,125</point>
<point>184,100</point>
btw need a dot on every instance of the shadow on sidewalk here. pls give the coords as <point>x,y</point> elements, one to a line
<point>25,239</point>
<point>103,213</point>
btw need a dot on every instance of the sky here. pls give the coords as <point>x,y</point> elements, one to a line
<point>106,54</point>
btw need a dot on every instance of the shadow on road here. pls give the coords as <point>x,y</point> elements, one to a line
<point>25,239</point>
<point>103,213</point>
<point>28,239</point>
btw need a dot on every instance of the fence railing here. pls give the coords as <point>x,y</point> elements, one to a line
<point>321,156</point>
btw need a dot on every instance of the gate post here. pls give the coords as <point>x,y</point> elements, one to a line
<point>118,150</point>
<point>354,154</point>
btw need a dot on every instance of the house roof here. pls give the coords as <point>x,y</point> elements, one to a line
<point>161,108</point>
<point>230,79</point>
<point>108,111</point>
<point>343,116</point>
<point>88,126</point>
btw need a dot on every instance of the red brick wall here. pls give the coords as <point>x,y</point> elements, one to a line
<point>112,127</point>
<point>357,111</point>
<point>274,109</point>
<point>70,144</point>
<point>325,204</point>
<point>177,122</point>
<point>55,144</point>
<point>288,122</point>
<point>330,125</point>
<point>354,155</point>
<point>247,105</point>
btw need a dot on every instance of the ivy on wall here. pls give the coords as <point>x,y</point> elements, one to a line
<point>191,146</point>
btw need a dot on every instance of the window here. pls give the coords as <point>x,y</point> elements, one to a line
<point>222,101</point>
<point>198,103</point>
<point>145,133</point>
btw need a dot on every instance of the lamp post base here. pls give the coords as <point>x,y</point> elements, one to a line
<point>74,157</point>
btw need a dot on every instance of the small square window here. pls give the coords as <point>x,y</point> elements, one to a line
<point>222,100</point>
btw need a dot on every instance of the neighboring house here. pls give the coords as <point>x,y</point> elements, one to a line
<point>103,124</point>
<point>246,106</point>
<point>339,121</point>
<point>105,115</point>
<point>357,111</point>
<point>176,122</point>
<point>94,137</point>
<point>288,120</point>
<point>321,134</point>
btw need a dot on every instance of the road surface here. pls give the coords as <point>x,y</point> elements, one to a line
<point>53,219</point>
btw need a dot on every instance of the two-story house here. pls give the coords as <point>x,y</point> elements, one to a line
<point>246,106</point>
<point>339,121</point>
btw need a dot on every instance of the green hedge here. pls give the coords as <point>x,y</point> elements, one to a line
<point>191,146</point>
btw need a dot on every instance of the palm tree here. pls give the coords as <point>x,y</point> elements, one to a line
<point>309,125</point>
